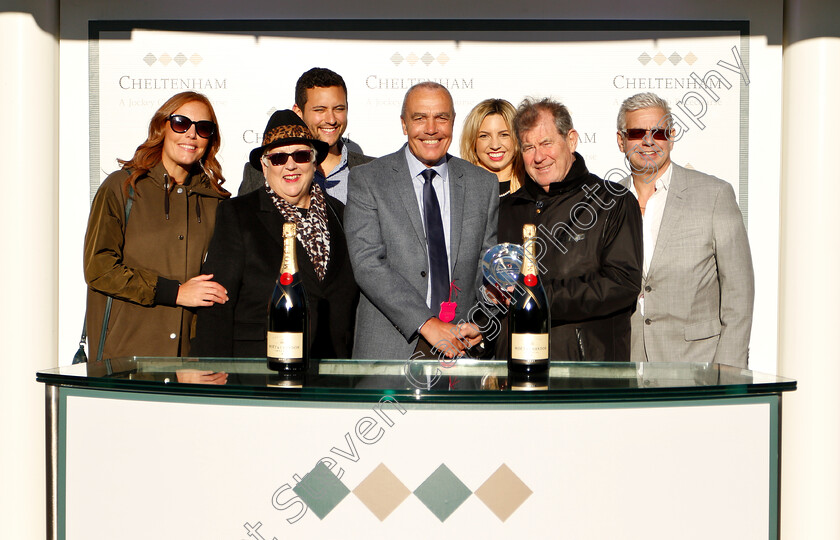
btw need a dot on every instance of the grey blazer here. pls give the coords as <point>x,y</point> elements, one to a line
<point>387,244</point>
<point>699,289</point>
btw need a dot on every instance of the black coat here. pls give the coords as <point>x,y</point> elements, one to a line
<point>592,236</point>
<point>245,255</point>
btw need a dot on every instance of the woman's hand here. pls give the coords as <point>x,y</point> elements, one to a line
<point>201,292</point>
<point>195,376</point>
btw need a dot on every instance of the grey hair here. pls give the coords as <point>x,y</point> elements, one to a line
<point>644,100</point>
<point>426,85</point>
<point>528,113</point>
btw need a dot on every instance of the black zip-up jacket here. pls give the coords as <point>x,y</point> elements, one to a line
<point>592,256</point>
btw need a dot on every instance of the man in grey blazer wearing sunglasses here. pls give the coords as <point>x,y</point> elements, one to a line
<point>696,301</point>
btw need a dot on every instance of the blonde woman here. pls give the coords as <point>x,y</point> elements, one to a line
<point>488,141</point>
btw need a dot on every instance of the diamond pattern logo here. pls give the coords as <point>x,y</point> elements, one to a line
<point>503,492</point>
<point>412,58</point>
<point>321,490</point>
<point>442,492</point>
<point>660,58</point>
<point>179,59</point>
<point>381,492</point>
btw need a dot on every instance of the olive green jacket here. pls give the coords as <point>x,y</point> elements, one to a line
<point>142,264</point>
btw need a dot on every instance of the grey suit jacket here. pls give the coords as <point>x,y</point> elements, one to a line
<point>699,289</point>
<point>387,245</point>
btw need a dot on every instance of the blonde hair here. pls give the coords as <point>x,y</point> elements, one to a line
<point>472,125</point>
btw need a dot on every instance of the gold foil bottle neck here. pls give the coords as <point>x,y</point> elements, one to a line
<point>529,262</point>
<point>529,230</point>
<point>289,257</point>
<point>289,230</point>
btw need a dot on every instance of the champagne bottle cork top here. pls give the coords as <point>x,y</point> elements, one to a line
<point>289,229</point>
<point>529,230</point>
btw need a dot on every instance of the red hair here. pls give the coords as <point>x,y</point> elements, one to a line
<point>149,153</point>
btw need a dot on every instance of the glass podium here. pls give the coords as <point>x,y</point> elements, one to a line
<point>226,448</point>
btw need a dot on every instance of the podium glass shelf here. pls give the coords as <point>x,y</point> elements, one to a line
<point>464,381</point>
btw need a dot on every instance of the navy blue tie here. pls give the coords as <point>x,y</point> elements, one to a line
<point>436,242</point>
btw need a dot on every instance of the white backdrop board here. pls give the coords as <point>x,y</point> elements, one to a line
<point>249,74</point>
<point>248,68</point>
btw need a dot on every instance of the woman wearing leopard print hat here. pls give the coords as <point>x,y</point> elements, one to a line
<point>246,251</point>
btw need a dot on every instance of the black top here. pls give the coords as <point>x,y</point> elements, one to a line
<point>245,255</point>
<point>504,188</point>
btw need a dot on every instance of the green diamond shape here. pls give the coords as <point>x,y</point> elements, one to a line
<point>321,490</point>
<point>442,492</point>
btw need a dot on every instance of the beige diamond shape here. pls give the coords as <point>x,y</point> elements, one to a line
<point>659,58</point>
<point>196,59</point>
<point>443,59</point>
<point>503,492</point>
<point>165,59</point>
<point>690,58</point>
<point>381,492</point>
<point>412,58</point>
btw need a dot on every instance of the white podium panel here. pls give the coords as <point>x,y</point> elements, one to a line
<point>138,465</point>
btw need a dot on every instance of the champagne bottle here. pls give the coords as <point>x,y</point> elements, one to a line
<point>288,313</point>
<point>529,321</point>
<point>527,381</point>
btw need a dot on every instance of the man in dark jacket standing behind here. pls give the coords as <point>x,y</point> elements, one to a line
<point>589,235</point>
<point>321,101</point>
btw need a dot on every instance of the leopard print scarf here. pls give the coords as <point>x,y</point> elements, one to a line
<point>312,231</point>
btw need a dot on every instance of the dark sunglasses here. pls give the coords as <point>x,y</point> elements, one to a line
<point>280,158</point>
<point>181,124</point>
<point>636,134</point>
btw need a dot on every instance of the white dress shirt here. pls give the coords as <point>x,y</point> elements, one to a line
<point>652,221</point>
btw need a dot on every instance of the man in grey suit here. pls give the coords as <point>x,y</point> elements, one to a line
<point>697,294</point>
<point>416,221</point>
<point>321,101</point>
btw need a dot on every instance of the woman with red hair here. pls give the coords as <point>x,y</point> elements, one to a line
<point>149,227</point>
